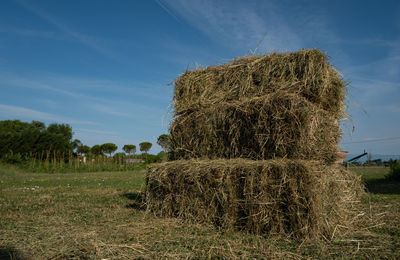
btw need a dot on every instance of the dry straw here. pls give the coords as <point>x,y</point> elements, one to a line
<point>290,198</point>
<point>281,124</point>
<point>305,72</point>
<point>260,107</point>
<point>238,119</point>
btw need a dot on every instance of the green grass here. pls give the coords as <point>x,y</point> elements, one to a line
<point>100,216</point>
<point>99,164</point>
<point>376,182</point>
<point>371,173</point>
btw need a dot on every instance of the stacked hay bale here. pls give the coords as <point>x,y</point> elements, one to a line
<point>253,144</point>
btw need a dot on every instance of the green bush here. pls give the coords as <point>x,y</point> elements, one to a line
<point>12,158</point>
<point>394,170</point>
<point>119,158</point>
<point>151,158</point>
<point>162,156</point>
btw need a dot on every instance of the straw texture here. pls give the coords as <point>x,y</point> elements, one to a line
<point>291,198</point>
<point>281,124</point>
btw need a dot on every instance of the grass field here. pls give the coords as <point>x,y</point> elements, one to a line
<point>100,216</point>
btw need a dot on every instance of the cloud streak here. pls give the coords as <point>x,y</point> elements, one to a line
<point>99,132</point>
<point>166,9</point>
<point>36,84</point>
<point>75,86</point>
<point>88,41</point>
<point>22,112</point>
<point>92,92</point>
<point>109,110</point>
<point>31,33</point>
<point>234,22</point>
<point>371,140</point>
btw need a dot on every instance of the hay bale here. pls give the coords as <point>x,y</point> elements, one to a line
<point>281,124</point>
<point>291,198</point>
<point>305,72</point>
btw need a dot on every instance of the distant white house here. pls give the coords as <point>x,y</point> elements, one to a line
<point>133,161</point>
<point>82,159</point>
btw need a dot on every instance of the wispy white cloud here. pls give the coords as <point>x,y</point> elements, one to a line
<point>166,9</point>
<point>93,131</point>
<point>151,90</point>
<point>31,32</point>
<point>187,55</point>
<point>109,110</point>
<point>386,68</point>
<point>318,32</point>
<point>134,100</point>
<point>373,139</point>
<point>88,89</point>
<point>393,108</point>
<point>13,112</point>
<point>372,42</point>
<point>370,88</point>
<point>392,61</point>
<point>235,23</point>
<point>89,41</point>
<point>375,85</point>
<point>373,95</point>
<point>18,81</point>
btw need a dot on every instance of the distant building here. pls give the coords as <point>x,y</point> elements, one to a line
<point>376,162</point>
<point>82,158</point>
<point>133,161</point>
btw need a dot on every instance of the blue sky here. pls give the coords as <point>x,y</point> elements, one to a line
<point>106,67</point>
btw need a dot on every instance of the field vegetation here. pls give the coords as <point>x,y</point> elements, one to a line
<point>100,215</point>
<point>35,147</point>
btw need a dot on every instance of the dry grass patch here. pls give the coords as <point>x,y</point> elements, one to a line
<point>88,223</point>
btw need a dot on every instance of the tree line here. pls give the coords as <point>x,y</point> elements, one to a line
<point>107,148</point>
<point>25,140</point>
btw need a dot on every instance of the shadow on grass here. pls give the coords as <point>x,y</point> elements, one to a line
<point>383,186</point>
<point>10,253</point>
<point>137,200</point>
